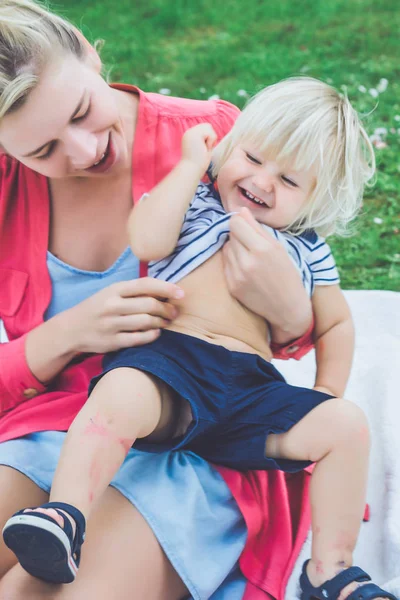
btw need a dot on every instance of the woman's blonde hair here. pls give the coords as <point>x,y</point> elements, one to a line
<point>304,123</point>
<point>30,36</point>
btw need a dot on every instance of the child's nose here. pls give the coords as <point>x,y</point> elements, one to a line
<point>264,181</point>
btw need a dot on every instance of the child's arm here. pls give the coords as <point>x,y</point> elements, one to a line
<point>155,222</point>
<point>334,339</point>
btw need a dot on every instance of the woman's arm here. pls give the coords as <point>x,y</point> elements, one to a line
<point>155,222</point>
<point>124,314</point>
<point>334,339</point>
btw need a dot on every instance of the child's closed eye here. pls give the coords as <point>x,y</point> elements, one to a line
<point>289,181</point>
<point>253,159</point>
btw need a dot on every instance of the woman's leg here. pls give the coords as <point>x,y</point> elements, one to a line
<point>121,559</point>
<point>335,435</point>
<point>17,491</point>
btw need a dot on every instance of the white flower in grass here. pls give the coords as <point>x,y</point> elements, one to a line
<point>202,90</point>
<point>382,85</point>
<point>362,89</point>
<point>378,220</point>
<point>377,141</point>
<point>164,91</point>
<point>380,131</point>
<point>397,118</point>
<point>242,94</point>
<point>304,69</point>
<point>214,97</point>
<point>373,92</point>
<point>329,80</point>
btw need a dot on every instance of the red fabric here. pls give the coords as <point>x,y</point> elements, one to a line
<point>367,513</point>
<point>275,509</point>
<point>277,513</point>
<point>296,348</point>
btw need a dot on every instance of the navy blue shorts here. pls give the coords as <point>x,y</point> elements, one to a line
<point>236,398</point>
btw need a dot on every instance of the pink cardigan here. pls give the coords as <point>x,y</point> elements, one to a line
<point>27,406</point>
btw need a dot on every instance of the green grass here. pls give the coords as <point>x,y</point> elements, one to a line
<point>198,48</point>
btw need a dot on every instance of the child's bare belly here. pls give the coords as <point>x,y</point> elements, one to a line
<point>209,312</point>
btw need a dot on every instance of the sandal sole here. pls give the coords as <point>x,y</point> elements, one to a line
<point>42,548</point>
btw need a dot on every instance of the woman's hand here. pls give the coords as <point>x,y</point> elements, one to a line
<point>261,275</point>
<point>129,313</point>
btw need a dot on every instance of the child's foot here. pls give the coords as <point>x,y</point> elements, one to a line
<point>349,584</point>
<point>58,516</point>
<point>47,540</point>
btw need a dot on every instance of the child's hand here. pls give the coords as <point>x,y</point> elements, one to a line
<point>197,145</point>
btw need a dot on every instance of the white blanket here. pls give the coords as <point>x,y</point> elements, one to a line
<point>375,386</point>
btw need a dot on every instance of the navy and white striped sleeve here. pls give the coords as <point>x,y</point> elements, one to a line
<point>319,259</point>
<point>204,231</point>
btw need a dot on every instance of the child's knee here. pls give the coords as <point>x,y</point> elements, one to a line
<point>348,422</point>
<point>122,384</point>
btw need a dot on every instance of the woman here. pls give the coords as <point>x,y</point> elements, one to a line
<point>76,154</point>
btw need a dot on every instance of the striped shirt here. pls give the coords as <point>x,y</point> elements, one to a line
<point>205,229</point>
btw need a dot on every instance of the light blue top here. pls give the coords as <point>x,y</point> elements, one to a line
<point>70,285</point>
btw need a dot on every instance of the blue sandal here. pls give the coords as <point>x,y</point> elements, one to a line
<point>43,548</point>
<point>331,589</point>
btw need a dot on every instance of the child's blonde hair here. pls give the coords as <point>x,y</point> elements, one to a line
<point>307,124</point>
<point>30,36</point>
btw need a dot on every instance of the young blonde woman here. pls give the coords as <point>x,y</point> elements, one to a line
<point>76,154</point>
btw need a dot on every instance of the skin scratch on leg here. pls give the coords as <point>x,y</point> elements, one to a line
<point>97,428</point>
<point>320,567</point>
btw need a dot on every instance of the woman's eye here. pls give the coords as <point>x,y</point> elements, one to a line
<point>289,181</point>
<point>82,117</point>
<point>253,159</point>
<point>48,153</point>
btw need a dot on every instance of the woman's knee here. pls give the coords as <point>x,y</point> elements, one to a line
<point>18,585</point>
<point>18,492</point>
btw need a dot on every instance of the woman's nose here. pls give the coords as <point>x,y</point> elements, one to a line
<point>81,148</point>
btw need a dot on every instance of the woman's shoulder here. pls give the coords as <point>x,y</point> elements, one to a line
<point>190,107</point>
<point>11,170</point>
<point>8,167</point>
<point>23,193</point>
<point>188,111</point>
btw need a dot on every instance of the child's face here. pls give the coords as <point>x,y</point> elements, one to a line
<point>274,196</point>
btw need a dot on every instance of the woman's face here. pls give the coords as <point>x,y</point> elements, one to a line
<point>71,124</point>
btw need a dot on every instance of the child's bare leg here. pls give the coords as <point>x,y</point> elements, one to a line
<point>335,435</point>
<point>125,405</point>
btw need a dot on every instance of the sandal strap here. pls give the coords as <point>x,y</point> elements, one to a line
<point>79,519</point>
<point>370,591</point>
<point>331,589</point>
<point>335,585</point>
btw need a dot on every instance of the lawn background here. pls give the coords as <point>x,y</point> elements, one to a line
<point>199,48</point>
